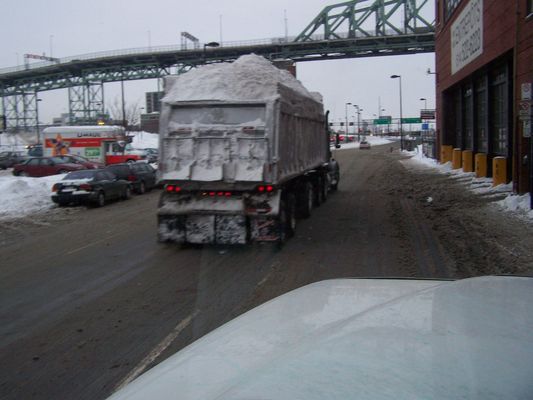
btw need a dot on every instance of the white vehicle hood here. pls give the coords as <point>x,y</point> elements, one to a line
<point>363,339</point>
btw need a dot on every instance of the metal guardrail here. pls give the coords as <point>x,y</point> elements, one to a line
<point>177,48</point>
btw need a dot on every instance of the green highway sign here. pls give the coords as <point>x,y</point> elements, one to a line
<point>382,121</point>
<point>411,121</point>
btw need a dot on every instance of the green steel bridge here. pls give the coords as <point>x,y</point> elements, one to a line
<point>352,29</point>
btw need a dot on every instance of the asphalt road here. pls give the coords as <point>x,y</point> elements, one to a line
<point>88,300</point>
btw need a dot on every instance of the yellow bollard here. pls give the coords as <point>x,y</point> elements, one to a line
<point>456,159</point>
<point>481,165</point>
<point>499,171</point>
<point>445,154</point>
<point>468,161</point>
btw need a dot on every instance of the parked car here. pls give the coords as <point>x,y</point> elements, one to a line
<point>152,155</point>
<point>75,159</point>
<point>44,166</point>
<point>10,158</point>
<point>140,174</point>
<point>90,187</point>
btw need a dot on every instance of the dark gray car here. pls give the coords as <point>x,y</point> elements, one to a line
<point>141,175</point>
<point>10,158</point>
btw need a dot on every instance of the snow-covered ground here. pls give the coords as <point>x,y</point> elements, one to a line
<point>518,205</point>
<point>144,140</point>
<point>21,196</point>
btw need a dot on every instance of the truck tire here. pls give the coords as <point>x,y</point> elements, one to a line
<point>321,191</point>
<point>287,219</point>
<point>306,200</point>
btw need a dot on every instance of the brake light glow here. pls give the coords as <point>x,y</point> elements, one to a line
<point>267,188</point>
<point>172,189</point>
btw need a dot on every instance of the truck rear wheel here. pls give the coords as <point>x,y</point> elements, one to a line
<point>287,219</point>
<point>306,200</point>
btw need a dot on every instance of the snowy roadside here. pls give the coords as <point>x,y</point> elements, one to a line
<point>373,140</point>
<point>20,197</point>
<point>516,204</point>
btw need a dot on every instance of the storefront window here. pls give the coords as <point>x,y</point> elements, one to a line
<point>481,116</point>
<point>468,118</point>
<point>499,111</point>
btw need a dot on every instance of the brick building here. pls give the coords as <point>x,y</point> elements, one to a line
<point>484,66</point>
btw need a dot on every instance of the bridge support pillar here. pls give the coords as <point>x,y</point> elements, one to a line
<point>86,103</point>
<point>21,113</point>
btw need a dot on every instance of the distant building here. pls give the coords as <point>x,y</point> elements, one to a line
<point>150,122</point>
<point>484,75</point>
<point>153,102</point>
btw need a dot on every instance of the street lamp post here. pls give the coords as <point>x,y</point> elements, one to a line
<point>425,102</point>
<point>401,111</point>
<point>37,100</point>
<point>358,122</point>
<point>346,115</point>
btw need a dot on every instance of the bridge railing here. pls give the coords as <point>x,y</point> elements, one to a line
<point>175,48</point>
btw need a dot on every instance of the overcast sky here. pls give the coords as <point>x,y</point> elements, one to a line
<point>73,27</point>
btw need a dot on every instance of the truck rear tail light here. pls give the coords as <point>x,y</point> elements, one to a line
<point>265,188</point>
<point>219,194</point>
<point>172,189</point>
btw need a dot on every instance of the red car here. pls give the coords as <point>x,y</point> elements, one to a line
<point>44,166</point>
<point>75,159</point>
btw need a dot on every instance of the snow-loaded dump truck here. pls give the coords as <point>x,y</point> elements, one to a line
<point>244,152</point>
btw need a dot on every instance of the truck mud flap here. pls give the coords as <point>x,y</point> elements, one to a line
<point>203,229</point>
<point>264,229</point>
<point>171,229</point>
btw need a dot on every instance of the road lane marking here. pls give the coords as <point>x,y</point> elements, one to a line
<point>156,352</point>
<point>93,243</point>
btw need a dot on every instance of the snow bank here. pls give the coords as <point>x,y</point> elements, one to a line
<point>519,205</point>
<point>250,77</point>
<point>144,140</point>
<point>24,196</point>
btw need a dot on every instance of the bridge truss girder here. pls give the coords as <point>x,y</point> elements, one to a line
<point>21,112</point>
<point>368,18</point>
<point>86,103</point>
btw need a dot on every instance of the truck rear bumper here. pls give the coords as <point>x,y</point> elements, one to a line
<point>217,229</point>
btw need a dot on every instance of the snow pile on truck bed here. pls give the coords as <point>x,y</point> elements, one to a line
<point>250,77</point>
